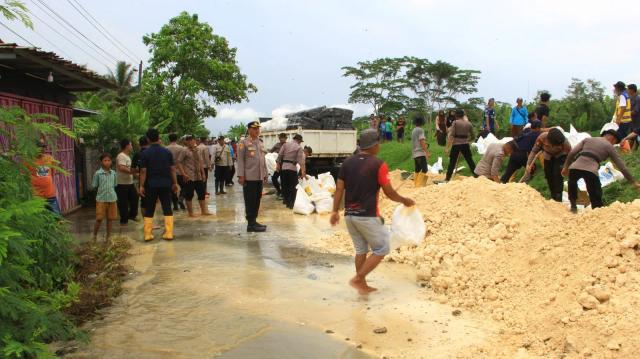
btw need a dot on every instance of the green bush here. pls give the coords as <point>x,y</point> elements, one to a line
<point>36,258</point>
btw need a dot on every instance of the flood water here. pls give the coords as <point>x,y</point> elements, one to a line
<point>216,291</point>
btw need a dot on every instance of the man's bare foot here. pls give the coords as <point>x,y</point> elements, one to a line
<point>206,213</point>
<point>371,289</point>
<point>191,215</point>
<point>360,285</point>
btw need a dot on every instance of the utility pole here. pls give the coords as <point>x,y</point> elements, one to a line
<point>140,76</point>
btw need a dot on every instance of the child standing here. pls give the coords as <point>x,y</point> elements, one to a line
<point>104,182</point>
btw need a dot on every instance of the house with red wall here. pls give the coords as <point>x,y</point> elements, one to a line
<point>42,82</point>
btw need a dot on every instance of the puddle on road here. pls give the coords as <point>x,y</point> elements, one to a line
<point>218,292</point>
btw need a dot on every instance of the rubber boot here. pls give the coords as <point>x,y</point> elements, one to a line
<point>168,228</point>
<point>148,228</point>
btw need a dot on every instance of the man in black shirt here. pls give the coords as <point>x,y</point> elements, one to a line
<point>158,172</point>
<point>542,110</point>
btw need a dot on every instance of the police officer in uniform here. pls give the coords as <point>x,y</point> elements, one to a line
<point>276,175</point>
<point>252,174</point>
<point>291,154</point>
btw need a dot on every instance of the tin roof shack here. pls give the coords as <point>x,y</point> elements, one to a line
<point>42,82</point>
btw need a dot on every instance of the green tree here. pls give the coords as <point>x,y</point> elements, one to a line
<point>14,9</point>
<point>236,131</point>
<point>122,78</point>
<point>378,83</point>
<point>190,69</point>
<point>36,260</point>
<point>587,98</point>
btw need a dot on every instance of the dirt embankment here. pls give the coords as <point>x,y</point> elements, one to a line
<point>561,285</point>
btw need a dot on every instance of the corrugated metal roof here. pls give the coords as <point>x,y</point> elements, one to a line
<point>39,64</point>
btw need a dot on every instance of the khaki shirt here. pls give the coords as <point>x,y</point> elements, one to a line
<point>276,148</point>
<point>600,148</point>
<point>190,161</point>
<point>291,152</point>
<point>460,132</point>
<point>224,152</point>
<point>548,151</point>
<point>203,151</point>
<point>175,150</point>
<point>251,163</point>
<point>489,165</point>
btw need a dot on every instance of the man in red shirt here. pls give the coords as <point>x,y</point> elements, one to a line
<point>42,178</point>
<point>360,179</point>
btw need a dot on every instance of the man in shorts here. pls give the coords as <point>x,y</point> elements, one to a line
<point>189,163</point>
<point>360,179</point>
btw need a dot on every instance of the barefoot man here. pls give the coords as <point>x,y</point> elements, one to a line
<point>360,179</point>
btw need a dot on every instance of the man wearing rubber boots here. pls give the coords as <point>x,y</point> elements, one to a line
<point>252,174</point>
<point>158,171</point>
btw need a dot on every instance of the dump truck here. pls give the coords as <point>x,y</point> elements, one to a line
<point>329,133</point>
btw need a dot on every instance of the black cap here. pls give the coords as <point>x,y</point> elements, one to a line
<point>283,135</point>
<point>619,85</point>
<point>612,133</point>
<point>253,124</point>
<point>298,137</point>
<point>220,138</point>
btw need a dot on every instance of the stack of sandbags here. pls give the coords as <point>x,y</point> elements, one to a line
<point>315,192</point>
<point>321,118</point>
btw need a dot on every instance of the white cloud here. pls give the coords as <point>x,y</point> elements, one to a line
<point>280,111</point>
<point>245,114</point>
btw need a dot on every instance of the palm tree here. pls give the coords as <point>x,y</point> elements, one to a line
<point>122,78</point>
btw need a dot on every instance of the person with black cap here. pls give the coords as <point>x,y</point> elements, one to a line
<point>252,174</point>
<point>554,147</point>
<point>587,155</point>
<point>622,114</point>
<point>460,133</point>
<point>157,181</point>
<point>291,154</point>
<point>520,148</point>
<point>223,161</point>
<point>282,139</point>
<point>359,181</point>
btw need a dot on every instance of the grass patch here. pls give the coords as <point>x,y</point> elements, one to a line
<point>399,156</point>
<point>100,272</point>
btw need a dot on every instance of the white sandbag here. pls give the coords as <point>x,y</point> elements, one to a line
<point>320,196</point>
<point>275,124</point>
<point>327,182</point>
<point>303,204</point>
<point>608,175</point>
<point>436,168</point>
<point>407,226</point>
<point>270,159</point>
<point>324,206</point>
<point>314,185</point>
<point>483,143</point>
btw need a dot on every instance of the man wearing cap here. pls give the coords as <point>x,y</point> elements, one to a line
<point>223,162</point>
<point>190,165</point>
<point>622,114</point>
<point>587,155</point>
<point>520,148</point>
<point>460,133</point>
<point>359,181</point>
<point>291,154</point>
<point>205,157</point>
<point>282,139</point>
<point>252,174</point>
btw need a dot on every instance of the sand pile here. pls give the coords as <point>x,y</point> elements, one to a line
<point>561,284</point>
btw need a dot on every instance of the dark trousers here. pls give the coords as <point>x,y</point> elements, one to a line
<point>177,198</point>
<point>421,164</point>
<point>289,182</point>
<point>252,192</point>
<point>594,188</point>
<point>623,130</point>
<point>127,202</point>
<point>517,160</point>
<point>552,172</point>
<point>276,183</point>
<point>230,173</point>
<point>456,150</point>
<point>152,195</point>
<point>221,177</point>
<point>516,130</point>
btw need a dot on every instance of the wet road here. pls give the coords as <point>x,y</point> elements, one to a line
<point>216,291</point>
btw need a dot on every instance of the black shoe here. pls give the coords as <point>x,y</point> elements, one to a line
<point>574,210</point>
<point>256,228</point>
<point>223,192</point>
<point>176,208</point>
<point>259,225</point>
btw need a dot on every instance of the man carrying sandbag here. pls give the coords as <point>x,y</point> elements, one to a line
<point>588,154</point>
<point>291,154</point>
<point>360,179</point>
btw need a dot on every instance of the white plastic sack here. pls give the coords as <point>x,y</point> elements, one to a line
<point>483,143</point>
<point>436,168</point>
<point>270,159</point>
<point>276,124</point>
<point>324,206</point>
<point>327,182</point>
<point>608,175</point>
<point>303,204</point>
<point>407,226</point>
<point>320,196</point>
<point>314,185</point>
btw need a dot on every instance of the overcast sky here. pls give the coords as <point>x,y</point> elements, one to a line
<point>293,50</point>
